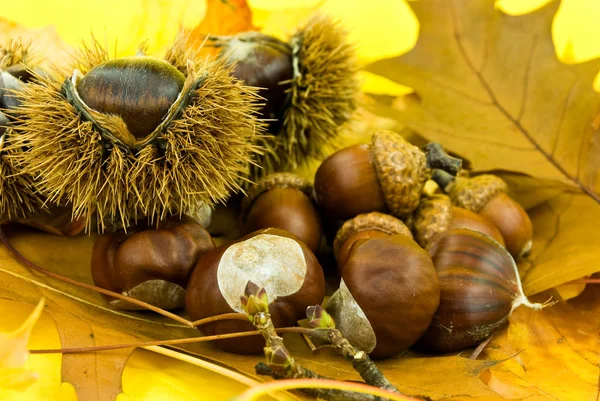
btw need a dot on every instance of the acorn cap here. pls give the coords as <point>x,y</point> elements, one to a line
<point>324,90</point>
<point>474,193</point>
<point>369,221</point>
<point>432,216</point>
<point>275,180</point>
<point>198,154</point>
<point>402,171</point>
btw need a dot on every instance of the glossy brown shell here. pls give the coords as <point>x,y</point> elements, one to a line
<point>394,282</point>
<point>122,261</point>
<point>204,298</point>
<point>346,184</point>
<point>478,285</point>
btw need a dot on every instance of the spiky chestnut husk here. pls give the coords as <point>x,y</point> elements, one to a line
<point>436,214</point>
<point>18,198</point>
<point>311,87</point>
<point>368,225</point>
<point>389,174</point>
<point>283,200</point>
<point>136,264</point>
<point>486,194</point>
<point>199,152</point>
<point>480,288</point>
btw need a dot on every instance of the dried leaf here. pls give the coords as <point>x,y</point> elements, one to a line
<point>223,18</point>
<point>489,87</point>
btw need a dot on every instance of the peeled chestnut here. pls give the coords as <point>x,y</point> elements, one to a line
<point>283,200</point>
<point>273,259</point>
<point>486,194</point>
<point>388,295</point>
<point>151,265</point>
<point>368,225</point>
<point>389,174</point>
<point>480,288</point>
<point>436,214</point>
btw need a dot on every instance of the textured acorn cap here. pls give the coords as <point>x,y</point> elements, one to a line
<point>432,216</point>
<point>369,221</point>
<point>323,94</point>
<point>402,171</point>
<point>275,180</point>
<point>199,156</point>
<point>473,193</point>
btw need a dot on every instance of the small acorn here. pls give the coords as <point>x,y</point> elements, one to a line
<point>310,87</point>
<point>480,288</point>
<point>272,259</point>
<point>435,214</point>
<point>486,194</point>
<point>368,225</point>
<point>388,174</point>
<point>149,264</point>
<point>283,200</point>
<point>134,137</point>
<point>388,295</point>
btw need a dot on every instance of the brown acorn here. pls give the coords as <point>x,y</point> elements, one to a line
<point>134,137</point>
<point>149,264</point>
<point>283,200</point>
<point>435,214</point>
<point>368,225</point>
<point>486,194</point>
<point>310,87</point>
<point>272,259</point>
<point>480,288</point>
<point>389,174</point>
<point>388,295</point>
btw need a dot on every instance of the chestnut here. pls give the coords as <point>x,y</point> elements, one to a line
<point>436,214</point>
<point>283,200</point>
<point>486,194</point>
<point>151,265</point>
<point>273,259</point>
<point>367,225</point>
<point>388,174</point>
<point>480,288</point>
<point>388,295</point>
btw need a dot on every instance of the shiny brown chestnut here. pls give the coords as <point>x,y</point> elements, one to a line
<point>480,288</point>
<point>367,225</point>
<point>486,194</point>
<point>273,259</point>
<point>436,214</point>
<point>387,175</point>
<point>388,295</point>
<point>283,200</point>
<point>151,265</point>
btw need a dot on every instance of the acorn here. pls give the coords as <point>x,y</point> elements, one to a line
<point>310,87</point>
<point>283,200</point>
<point>387,175</point>
<point>150,264</point>
<point>273,259</point>
<point>435,214</point>
<point>480,288</point>
<point>486,194</point>
<point>368,225</point>
<point>388,295</point>
<point>133,137</point>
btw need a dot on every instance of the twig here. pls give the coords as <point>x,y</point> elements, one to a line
<point>437,158</point>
